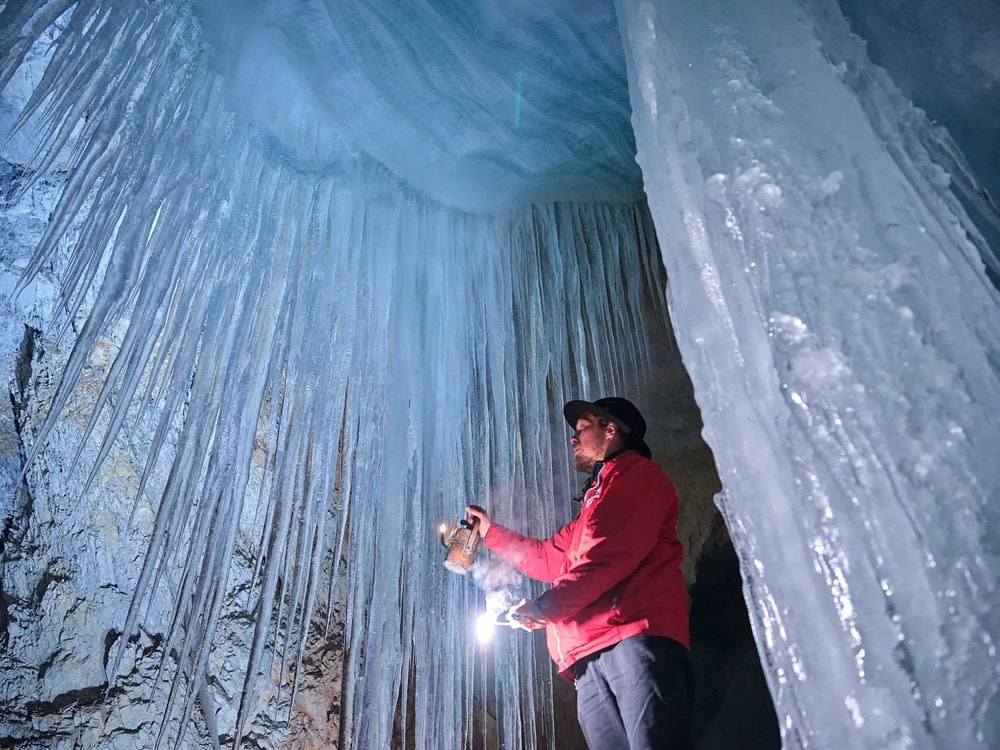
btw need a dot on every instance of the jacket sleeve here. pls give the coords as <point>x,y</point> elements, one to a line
<point>623,527</point>
<point>538,559</point>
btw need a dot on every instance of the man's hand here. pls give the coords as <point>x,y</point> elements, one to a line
<point>473,512</point>
<point>527,616</point>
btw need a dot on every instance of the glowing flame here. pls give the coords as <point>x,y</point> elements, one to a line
<point>486,625</point>
<point>442,528</point>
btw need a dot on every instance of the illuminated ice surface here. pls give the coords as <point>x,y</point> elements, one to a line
<point>834,296</point>
<point>367,249</point>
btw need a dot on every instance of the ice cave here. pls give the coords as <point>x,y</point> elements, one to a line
<point>285,285</point>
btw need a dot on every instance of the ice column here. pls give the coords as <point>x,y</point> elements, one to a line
<point>834,313</point>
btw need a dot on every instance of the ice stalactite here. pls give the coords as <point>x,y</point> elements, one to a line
<point>402,358</point>
<point>834,311</point>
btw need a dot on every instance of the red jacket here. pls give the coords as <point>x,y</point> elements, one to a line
<point>614,569</point>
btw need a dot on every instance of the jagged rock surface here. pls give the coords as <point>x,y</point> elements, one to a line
<point>69,558</point>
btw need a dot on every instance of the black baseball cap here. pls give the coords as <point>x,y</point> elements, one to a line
<point>619,410</point>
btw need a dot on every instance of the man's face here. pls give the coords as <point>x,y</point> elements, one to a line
<point>590,442</point>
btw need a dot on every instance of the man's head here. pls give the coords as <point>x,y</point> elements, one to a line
<point>604,427</point>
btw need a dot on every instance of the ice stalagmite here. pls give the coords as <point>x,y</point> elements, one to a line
<point>833,309</point>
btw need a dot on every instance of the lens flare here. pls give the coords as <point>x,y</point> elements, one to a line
<point>486,626</point>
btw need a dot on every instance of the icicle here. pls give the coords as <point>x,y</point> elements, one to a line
<point>398,358</point>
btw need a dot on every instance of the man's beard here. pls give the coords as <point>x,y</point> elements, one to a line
<point>584,464</point>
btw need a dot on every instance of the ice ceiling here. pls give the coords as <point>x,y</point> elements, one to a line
<point>524,102</point>
<point>388,239</point>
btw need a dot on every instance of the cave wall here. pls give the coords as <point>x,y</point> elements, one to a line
<point>70,558</point>
<point>70,555</point>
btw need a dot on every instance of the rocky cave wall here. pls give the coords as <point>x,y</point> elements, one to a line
<point>69,557</point>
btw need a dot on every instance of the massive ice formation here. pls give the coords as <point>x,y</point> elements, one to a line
<point>334,266</point>
<point>316,362</point>
<point>832,308</point>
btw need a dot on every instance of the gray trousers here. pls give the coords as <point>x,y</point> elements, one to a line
<point>636,695</point>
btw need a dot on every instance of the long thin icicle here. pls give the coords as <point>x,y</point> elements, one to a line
<point>399,358</point>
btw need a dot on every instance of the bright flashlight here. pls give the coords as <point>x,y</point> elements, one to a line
<point>485,627</point>
<point>487,624</point>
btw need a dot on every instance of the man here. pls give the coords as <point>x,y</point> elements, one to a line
<point>616,615</point>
